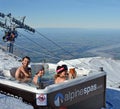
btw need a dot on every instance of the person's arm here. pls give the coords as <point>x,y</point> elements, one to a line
<point>21,75</point>
<point>27,74</point>
<point>25,80</point>
<point>38,80</point>
<point>17,76</point>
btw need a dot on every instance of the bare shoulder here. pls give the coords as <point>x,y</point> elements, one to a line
<point>59,80</point>
<point>19,69</point>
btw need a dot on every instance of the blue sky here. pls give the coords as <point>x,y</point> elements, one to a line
<point>65,13</point>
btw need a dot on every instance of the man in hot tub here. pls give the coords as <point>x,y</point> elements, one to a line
<point>23,73</point>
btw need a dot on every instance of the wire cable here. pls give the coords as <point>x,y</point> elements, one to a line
<point>38,45</point>
<point>55,44</point>
<point>36,52</point>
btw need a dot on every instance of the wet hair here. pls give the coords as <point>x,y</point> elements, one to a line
<point>41,67</point>
<point>65,67</point>
<point>26,57</point>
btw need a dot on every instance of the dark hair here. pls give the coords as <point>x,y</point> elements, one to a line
<point>62,68</point>
<point>59,69</point>
<point>26,57</point>
<point>65,67</point>
<point>41,67</point>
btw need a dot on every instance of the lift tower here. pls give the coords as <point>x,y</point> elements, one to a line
<point>10,24</point>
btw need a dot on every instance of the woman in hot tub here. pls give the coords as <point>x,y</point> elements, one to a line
<point>62,74</point>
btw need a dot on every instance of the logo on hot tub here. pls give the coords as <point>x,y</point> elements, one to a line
<point>58,99</point>
<point>41,99</point>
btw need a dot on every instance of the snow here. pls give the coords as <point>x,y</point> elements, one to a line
<point>84,67</point>
<point>7,102</point>
<point>87,65</point>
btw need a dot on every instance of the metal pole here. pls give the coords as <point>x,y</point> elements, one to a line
<point>10,46</point>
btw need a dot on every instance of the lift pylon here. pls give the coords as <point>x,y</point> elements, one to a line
<point>10,24</point>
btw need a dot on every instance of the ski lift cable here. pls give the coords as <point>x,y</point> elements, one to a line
<point>27,49</point>
<point>12,19</point>
<point>21,24</point>
<point>59,47</point>
<point>55,44</point>
<point>47,50</point>
<point>36,52</point>
<point>37,44</point>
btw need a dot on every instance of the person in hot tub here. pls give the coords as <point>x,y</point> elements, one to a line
<point>23,73</point>
<point>38,75</point>
<point>62,74</point>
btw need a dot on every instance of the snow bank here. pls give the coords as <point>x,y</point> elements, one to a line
<point>7,102</point>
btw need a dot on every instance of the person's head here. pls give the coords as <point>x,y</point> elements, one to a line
<point>62,70</point>
<point>25,60</point>
<point>65,67</point>
<point>41,71</point>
